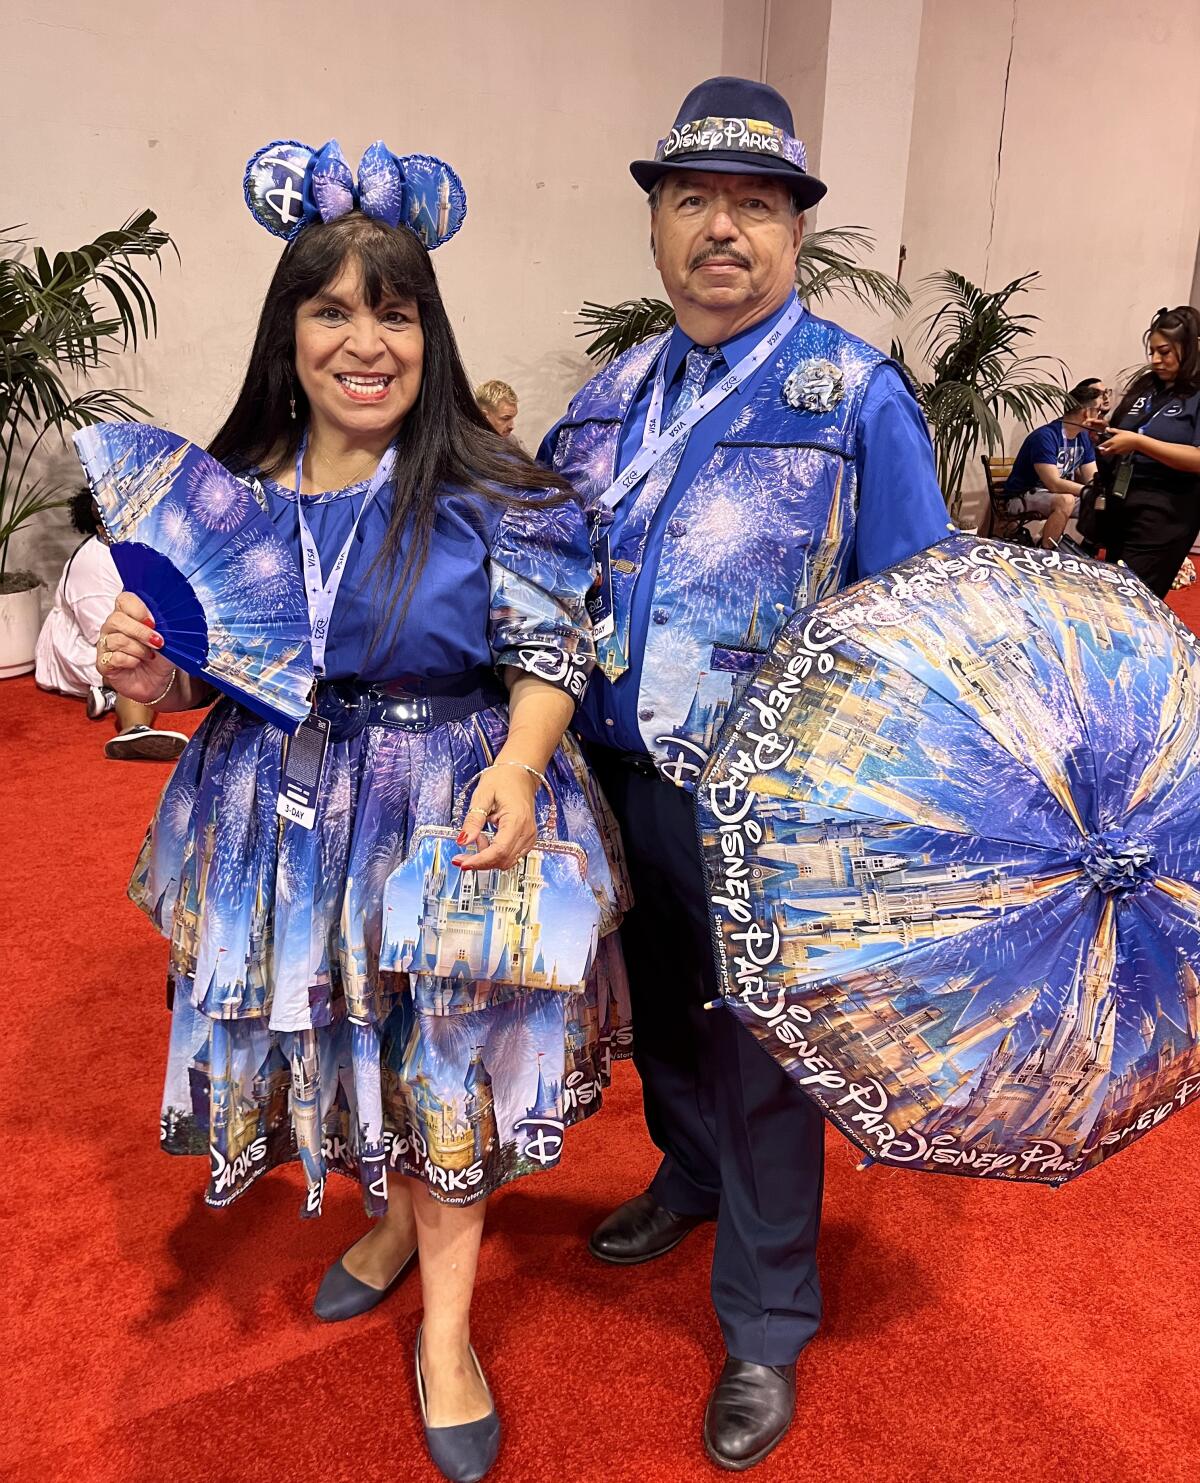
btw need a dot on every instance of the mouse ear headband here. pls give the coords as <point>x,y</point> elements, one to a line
<point>289,186</point>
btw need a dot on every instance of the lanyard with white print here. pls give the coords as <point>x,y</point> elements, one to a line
<point>656,444</point>
<point>323,595</point>
<point>303,762</point>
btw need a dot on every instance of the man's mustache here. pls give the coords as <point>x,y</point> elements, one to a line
<point>725,254</point>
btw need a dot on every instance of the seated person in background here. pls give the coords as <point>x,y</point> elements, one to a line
<point>1054,464</point>
<point>498,403</point>
<point>66,646</point>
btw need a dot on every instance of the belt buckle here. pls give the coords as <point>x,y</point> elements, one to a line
<point>412,712</point>
<point>344,707</point>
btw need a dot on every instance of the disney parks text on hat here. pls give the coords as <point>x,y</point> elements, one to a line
<point>732,126</point>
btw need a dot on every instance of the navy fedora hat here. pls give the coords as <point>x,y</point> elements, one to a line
<point>733,126</point>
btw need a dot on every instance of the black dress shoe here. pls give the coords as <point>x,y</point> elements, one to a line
<point>342,1296</point>
<point>748,1413</point>
<point>640,1230</point>
<point>461,1453</point>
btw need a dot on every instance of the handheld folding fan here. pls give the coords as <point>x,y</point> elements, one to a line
<point>196,546</point>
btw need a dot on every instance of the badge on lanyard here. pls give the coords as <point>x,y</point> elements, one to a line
<point>304,752</point>
<point>600,596</point>
<point>300,774</point>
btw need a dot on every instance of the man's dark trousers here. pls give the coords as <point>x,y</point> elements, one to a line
<point>739,1140</point>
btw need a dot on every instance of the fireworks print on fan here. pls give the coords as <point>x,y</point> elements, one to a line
<point>954,861</point>
<point>195,544</point>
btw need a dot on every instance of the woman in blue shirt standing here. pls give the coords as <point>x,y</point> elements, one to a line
<point>1150,456</point>
<point>456,649</point>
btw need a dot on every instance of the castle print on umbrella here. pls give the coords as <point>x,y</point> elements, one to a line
<point>196,546</point>
<point>952,837</point>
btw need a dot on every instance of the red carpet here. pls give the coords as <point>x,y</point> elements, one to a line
<point>973,1332</point>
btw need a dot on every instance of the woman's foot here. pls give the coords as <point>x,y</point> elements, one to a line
<point>363,1276</point>
<point>378,1256</point>
<point>455,1391</point>
<point>462,1430</point>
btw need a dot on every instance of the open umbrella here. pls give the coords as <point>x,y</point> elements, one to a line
<point>952,838</point>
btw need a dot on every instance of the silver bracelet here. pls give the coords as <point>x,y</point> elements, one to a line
<point>525,767</point>
<point>158,699</point>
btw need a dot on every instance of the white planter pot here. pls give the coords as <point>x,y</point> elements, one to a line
<point>20,619</point>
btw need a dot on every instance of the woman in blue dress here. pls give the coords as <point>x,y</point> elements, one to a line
<point>455,651</point>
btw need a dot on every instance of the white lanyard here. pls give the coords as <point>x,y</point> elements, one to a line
<point>322,596</point>
<point>656,445</point>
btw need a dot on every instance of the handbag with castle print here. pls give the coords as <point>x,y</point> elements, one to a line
<point>532,926</point>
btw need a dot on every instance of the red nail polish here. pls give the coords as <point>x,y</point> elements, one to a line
<point>156,640</point>
<point>462,839</point>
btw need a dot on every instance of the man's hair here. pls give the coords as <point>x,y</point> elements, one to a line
<point>654,196</point>
<point>84,515</point>
<point>1084,394</point>
<point>493,393</point>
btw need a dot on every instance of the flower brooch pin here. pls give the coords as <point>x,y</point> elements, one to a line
<point>815,385</point>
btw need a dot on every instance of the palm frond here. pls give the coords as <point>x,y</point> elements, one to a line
<point>619,327</point>
<point>826,267</point>
<point>58,316</point>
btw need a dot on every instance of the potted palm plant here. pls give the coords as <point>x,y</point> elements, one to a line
<point>826,267</point>
<point>972,341</point>
<point>60,319</point>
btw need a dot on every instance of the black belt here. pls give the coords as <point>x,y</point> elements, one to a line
<point>406,704</point>
<point>639,762</point>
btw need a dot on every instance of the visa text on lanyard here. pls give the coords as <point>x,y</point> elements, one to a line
<point>323,594</point>
<point>656,444</point>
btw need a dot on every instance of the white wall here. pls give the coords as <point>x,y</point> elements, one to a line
<point>540,105</point>
<point>1098,184</point>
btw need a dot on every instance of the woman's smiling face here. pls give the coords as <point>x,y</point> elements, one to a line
<point>360,367</point>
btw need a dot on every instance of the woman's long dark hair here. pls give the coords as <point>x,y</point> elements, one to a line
<point>1181,326</point>
<point>444,440</point>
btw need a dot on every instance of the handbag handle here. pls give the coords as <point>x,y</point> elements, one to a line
<point>551,815</point>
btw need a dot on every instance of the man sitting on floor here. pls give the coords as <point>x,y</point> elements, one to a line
<point>66,646</point>
<point>1054,464</point>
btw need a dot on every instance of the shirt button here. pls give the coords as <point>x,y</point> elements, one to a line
<point>661,616</point>
<point>608,721</point>
<point>676,528</point>
<point>646,714</point>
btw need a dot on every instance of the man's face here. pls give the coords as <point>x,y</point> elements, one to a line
<point>502,417</point>
<point>725,242</point>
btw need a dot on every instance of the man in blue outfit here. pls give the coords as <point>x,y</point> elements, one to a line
<point>744,465</point>
<point>1055,462</point>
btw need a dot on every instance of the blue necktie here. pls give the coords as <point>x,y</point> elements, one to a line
<point>613,652</point>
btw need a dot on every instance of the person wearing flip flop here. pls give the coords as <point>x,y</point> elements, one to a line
<point>67,646</point>
<point>751,461</point>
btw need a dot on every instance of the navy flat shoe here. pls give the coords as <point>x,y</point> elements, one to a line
<point>461,1453</point>
<point>342,1296</point>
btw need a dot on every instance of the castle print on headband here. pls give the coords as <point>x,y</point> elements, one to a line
<point>289,185</point>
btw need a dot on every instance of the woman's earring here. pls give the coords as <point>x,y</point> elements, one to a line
<point>292,405</point>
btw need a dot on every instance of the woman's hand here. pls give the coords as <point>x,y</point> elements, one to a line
<point>1095,426</point>
<point>127,654</point>
<point>1121,442</point>
<point>504,796</point>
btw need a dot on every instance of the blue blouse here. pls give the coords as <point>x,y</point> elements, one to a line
<point>500,586</point>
